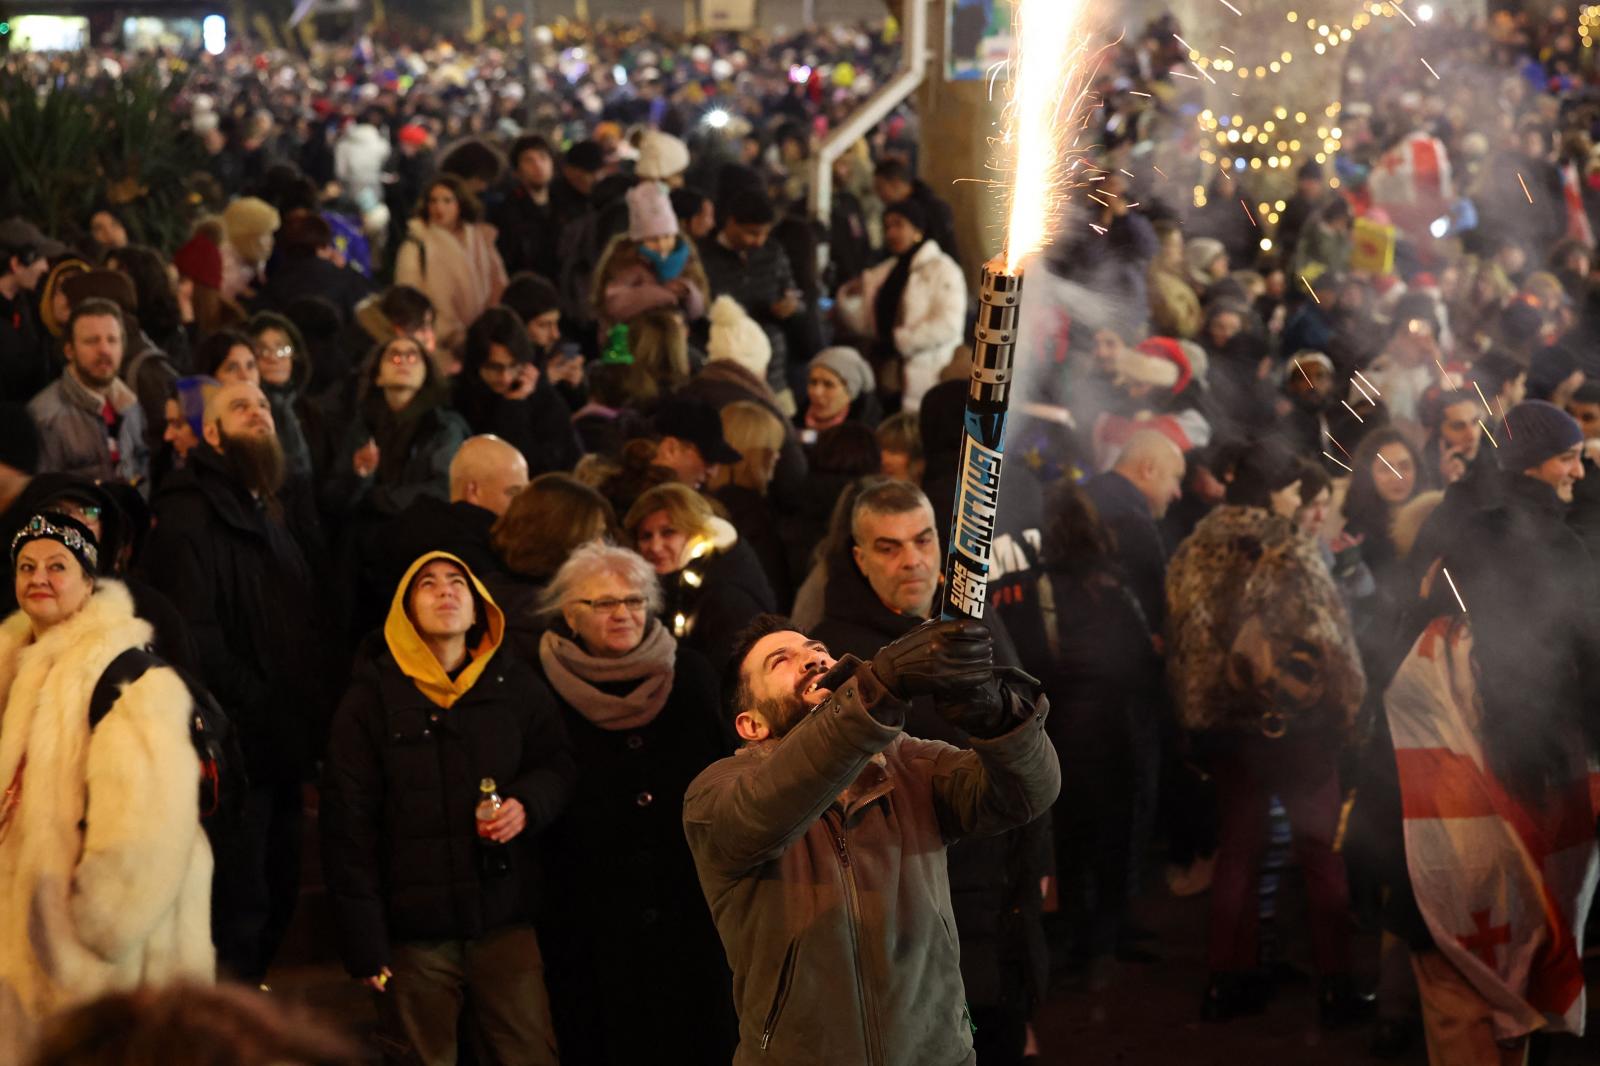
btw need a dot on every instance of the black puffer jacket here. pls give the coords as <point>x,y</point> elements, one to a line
<point>399,838</point>
<point>540,426</point>
<point>994,881</point>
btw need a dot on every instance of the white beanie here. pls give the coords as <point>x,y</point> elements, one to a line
<point>661,156</point>
<point>736,338</point>
<point>650,212</point>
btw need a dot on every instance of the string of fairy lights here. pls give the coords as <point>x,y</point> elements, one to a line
<point>1237,145</point>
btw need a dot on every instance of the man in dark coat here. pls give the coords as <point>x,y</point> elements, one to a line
<point>26,362</point>
<point>526,222</point>
<point>893,183</point>
<point>885,590</point>
<point>1132,497</point>
<point>306,266</point>
<point>424,892</point>
<point>742,261</point>
<point>222,552</point>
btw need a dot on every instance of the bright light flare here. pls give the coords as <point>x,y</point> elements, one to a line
<point>1425,13</point>
<point>717,119</point>
<point>1046,115</point>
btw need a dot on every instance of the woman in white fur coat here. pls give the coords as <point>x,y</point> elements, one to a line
<point>913,305</point>
<point>105,872</point>
<point>449,253</point>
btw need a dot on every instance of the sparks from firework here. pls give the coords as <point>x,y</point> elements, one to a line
<point>1368,384</point>
<point>1525,191</point>
<point>1309,289</point>
<point>1341,447</point>
<point>1429,65</point>
<point>1365,395</point>
<point>1230,7</point>
<point>1352,410</point>
<point>1486,433</point>
<point>1181,74</point>
<point>1390,465</point>
<point>1248,215</point>
<point>1486,408</point>
<point>1504,424</point>
<point>1334,461</point>
<point>1401,11</point>
<point>1303,374</point>
<point>1444,377</point>
<point>1453,589</point>
<point>1050,98</point>
<point>1132,93</point>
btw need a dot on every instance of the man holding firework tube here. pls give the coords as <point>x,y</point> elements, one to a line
<point>821,844</point>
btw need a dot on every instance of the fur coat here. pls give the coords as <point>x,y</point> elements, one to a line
<point>932,322</point>
<point>105,872</point>
<point>1257,635</point>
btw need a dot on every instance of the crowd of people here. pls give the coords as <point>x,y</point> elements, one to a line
<point>503,448</point>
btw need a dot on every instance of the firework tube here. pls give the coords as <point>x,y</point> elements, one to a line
<point>983,444</point>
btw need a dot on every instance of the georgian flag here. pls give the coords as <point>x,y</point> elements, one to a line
<point>1505,890</point>
<point>1414,173</point>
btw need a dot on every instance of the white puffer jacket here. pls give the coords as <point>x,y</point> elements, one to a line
<point>933,316</point>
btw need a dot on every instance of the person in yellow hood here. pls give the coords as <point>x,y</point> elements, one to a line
<point>432,904</point>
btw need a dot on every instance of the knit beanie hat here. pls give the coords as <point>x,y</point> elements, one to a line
<point>1171,350</point>
<point>249,221</point>
<point>912,212</point>
<point>1140,367</point>
<point>661,156</point>
<point>19,438</point>
<point>200,260</point>
<point>847,365</point>
<point>736,338</point>
<point>650,212</point>
<point>1199,254</point>
<point>111,285</point>
<point>1536,431</point>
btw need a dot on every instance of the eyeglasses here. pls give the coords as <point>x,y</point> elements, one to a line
<point>284,352</point>
<point>609,604</point>
<point>404,357</point>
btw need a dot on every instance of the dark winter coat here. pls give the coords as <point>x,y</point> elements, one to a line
<point>237,576</point>
<point>1141,549</point>
<point>540,426</point>
<point>994,882</point>
<point>528,234</point>
<point>732,590</point>
<point>27,363</point>
<point>757,280</point>
<point>295,279</point>
<point>400,845</point>
<point>287,401</point>
<point>421,467</point>
<point>752,515</point>
<point>629,933</point>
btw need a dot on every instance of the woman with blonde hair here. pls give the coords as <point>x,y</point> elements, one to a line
<point>712,582</point>
<point>741,488</point>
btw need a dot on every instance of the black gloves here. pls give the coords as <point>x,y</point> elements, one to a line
<point>936,658</point>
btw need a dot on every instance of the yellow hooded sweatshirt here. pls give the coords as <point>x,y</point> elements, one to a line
<point>416,660</point>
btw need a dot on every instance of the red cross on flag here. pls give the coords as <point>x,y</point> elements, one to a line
<point>1505,890</point>
<point>1411,182</point>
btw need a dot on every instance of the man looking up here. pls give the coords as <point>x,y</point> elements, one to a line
<point>89,422</point>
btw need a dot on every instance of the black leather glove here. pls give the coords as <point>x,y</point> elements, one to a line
<point>989,710</point>
<point>936,657</point>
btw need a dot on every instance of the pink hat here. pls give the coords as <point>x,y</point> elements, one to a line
<point>650,212</point>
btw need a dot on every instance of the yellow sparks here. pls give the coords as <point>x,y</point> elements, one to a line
<point>1390,465</point>
<point>1132,93</point>
<point>1334,461</point>
<point>1444,377</point>
<point>1429,65</point>
<point>1368,384</point>
<point>1525,191</point>
<point>1050,97</point>
<point>1364,393</point>
<point>1455,590</point>
<point>1486,408</point>
<point>1309,289</point>
<point>1303,374</point>
<point>1402,13</point>
<point>1486,433</point>
<point>1352,410</point>
<point>1248,215</point>
<point>1230,7</point>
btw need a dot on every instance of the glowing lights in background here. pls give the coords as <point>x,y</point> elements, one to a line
<point>717,119</point>
<point>1588,23</point>
<point>214,34</point>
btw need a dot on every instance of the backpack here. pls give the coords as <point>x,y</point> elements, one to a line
<point>223,781</point>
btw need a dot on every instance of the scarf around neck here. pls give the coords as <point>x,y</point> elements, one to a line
<point>669,266</point>
<point>886,308</point>
<point>574,674</point>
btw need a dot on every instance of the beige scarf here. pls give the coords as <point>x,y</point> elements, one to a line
<point>574,673</point>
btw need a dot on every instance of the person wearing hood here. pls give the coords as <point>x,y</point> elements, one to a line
<point>107,870</point>
<point>1206,260</point>
<point>712,581</point>
<point>449,253</point>
<point>913,305</point>
<point>840,386</point>
<point>401,437</point>
<point>434,902</point>
<point>643,980</point>
<point>502,390</point>
<point>1262,663</point>
<point>359,157</point>
<point>651,275</point>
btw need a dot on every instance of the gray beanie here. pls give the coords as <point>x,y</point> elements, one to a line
<point>1536,431</point>
<point>847,365</point>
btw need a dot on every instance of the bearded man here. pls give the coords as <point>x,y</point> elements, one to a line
<point>821,845</point>
<point>223,554</point>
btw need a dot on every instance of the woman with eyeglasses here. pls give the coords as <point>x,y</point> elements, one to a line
<point>401,438</point>
<point>628,928</point>
<point>285,373</point>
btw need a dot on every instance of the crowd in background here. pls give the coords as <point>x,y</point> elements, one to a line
<point>481,409</point>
